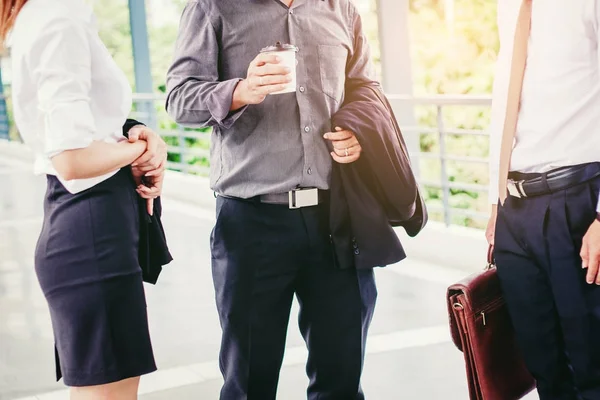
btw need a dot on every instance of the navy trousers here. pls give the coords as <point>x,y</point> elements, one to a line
<point>263,254</point>
<point>556,314</point>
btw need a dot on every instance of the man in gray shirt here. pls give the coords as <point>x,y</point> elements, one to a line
<point>271,166</point>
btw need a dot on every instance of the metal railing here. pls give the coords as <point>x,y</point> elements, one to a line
<point>189,148</point>
<point>442,130</point>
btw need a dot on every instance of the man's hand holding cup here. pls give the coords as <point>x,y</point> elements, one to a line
<point>271,72</point>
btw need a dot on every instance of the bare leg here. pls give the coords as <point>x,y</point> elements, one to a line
<point>123,390</point>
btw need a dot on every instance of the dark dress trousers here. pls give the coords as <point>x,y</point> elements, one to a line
<point>263,254</point>
<point>556,314</point>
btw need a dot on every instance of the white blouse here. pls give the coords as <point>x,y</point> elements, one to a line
<point>67,90</point>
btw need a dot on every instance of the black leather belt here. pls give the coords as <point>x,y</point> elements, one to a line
<point>538,184</point>
<point>298,198</point>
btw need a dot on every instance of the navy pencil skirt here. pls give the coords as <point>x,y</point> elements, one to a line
<point>86,262</point>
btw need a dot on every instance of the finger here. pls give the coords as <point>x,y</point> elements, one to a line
<point>150,205</point>
<point>157,171</point>
<point>148,193</point>
<point>147,189</point>
<point>147,134</point>
<point>597,263</point>
<point>345,144</point>
<point>338,135</point>
<point>155,162</point>
<point>272,80</point>
<point>142,160</point>
<point>345,160</point>
<point>592,273</point>
<point>149,166</point>
<point>271,70</point>
<point>133,137</point>
<point>145,196</point>
<point>145,158</point>
<point>266,90</point>
<point>585,251</point>
<point>265,58</point>
<point>135,133</point>
<point>347,152</point>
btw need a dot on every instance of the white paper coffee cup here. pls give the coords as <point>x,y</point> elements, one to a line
<point>287,54</point>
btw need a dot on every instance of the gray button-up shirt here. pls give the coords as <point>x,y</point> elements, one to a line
<point>278,145</point>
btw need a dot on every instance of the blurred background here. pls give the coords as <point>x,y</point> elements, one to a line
<point>442,72</point>
<point>435,59</point>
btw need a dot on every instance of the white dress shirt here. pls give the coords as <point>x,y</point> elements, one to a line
<point>559,119</point>
<point>67,90</point>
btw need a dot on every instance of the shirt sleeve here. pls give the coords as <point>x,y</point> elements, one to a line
<point>359,69</point>
<point>507,20</point>
<point>61,62</point>
<point>196,96</point>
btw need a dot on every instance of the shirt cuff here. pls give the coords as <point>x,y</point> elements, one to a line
<point>130,123</point>
<point>219,103</point>
<point>598,205</point>
<point>68,126</point>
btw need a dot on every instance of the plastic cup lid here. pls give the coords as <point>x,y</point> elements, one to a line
<point>280,47</point>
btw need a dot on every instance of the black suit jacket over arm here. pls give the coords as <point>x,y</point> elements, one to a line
<point>379,191</point>
<point>153,251</point>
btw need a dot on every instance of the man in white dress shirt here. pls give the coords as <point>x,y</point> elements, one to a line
<point>545,227</point>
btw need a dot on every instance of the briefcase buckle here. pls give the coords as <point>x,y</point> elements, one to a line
<point>515,188</point>
<point>300,198</point>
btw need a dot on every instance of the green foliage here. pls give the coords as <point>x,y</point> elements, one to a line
<point>455,56</point>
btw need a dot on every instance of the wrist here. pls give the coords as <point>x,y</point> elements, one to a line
<point>239,99</point>
<point>138,147</point>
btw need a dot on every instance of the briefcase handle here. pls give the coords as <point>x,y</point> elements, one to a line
<point>491,263</point>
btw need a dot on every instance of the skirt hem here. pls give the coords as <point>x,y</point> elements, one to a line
<point>105,379</point>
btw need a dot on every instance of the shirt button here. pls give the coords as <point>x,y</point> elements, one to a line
<point>302,89</point>
<point>309,171</point>
<point>307,129</point>
<point>357,252</point>
<point>291,12</point>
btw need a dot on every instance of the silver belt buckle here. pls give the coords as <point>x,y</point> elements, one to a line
<point>515,189</point>
<point>300,198</point>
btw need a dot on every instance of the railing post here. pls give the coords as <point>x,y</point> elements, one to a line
<point>396,67</point>
<point>444,167</point>
<point>141,59</point>
<point>182,149</point>
<point>4,123</point>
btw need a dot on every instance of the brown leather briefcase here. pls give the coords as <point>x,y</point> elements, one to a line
<point>482,330</point>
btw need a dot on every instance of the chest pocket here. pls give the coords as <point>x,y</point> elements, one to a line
<point>332,65</point>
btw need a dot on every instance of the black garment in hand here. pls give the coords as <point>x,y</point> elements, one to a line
<point>378,191</point>
<point>153,250</point>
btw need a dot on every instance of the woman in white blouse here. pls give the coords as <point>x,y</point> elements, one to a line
<point>70,103</point>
